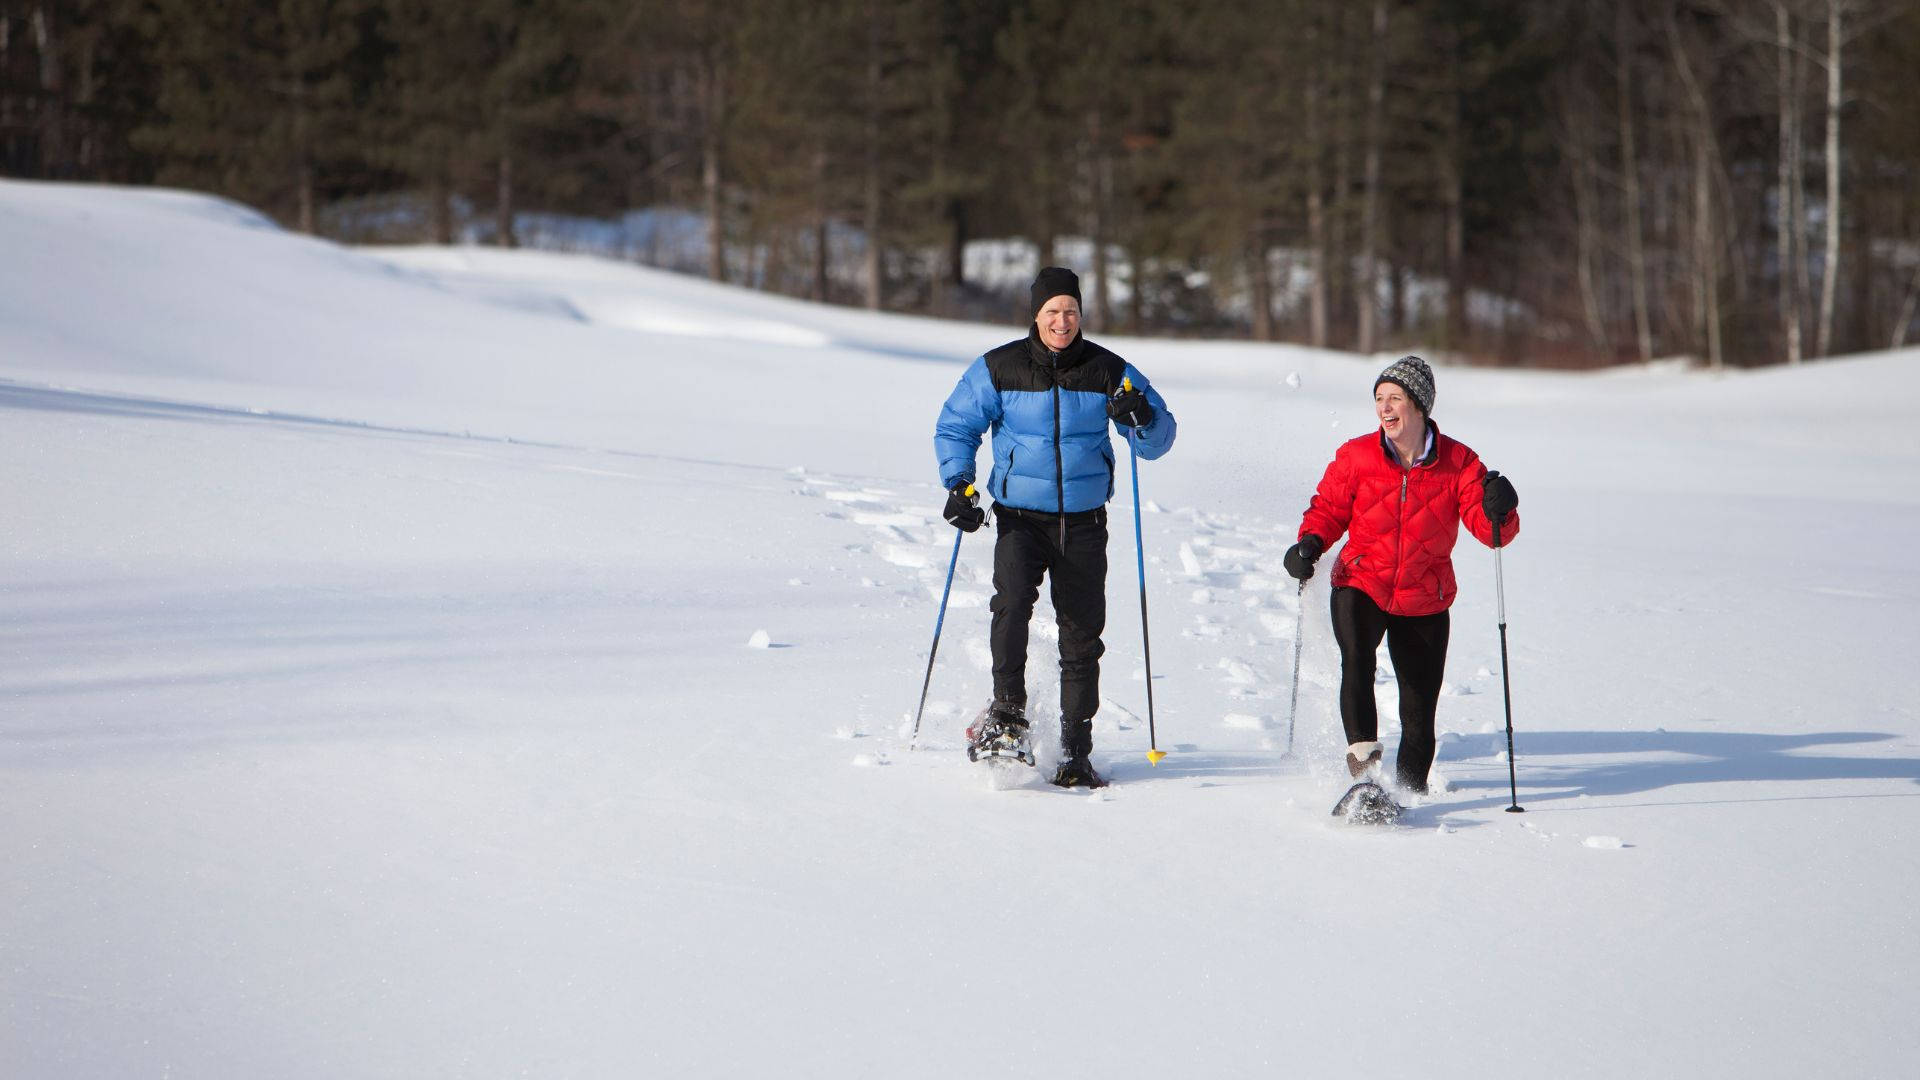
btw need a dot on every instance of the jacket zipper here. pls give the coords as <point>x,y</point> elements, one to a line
<point>1059,459</point>
<point>1400,537</point>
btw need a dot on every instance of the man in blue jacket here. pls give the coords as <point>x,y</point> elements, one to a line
<point>1048,399</point>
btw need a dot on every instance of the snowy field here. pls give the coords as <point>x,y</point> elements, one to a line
<point>376,700</point>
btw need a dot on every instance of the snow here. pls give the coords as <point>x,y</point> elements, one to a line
<point>375,700</point>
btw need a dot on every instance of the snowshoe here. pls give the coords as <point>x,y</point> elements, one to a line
<point>1000,731</point>
<point>1367,803</point>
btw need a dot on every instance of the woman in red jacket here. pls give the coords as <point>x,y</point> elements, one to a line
<point>1400,495</point>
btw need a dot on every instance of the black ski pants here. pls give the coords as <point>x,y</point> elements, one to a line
<point>1070,550</point>
<point>1418,646</point>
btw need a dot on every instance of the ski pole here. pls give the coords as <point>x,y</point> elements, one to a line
<point>1506,687</point>
<point>952,563</point>
<point>1299,621</point>
<point>1154,753</point>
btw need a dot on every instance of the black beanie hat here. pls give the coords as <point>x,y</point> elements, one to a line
<point>1415,377</point>
<point>1050,282</point>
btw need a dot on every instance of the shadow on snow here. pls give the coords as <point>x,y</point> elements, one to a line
<point>1624,763</point>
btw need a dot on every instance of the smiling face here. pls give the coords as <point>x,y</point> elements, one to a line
<point>1059,322</point>
<point>1399,416</point>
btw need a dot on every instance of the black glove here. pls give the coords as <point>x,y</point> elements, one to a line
<point>1300,557</point>
<point>1498,499</point>
<point>1128,407</point>
<point>963,508</point>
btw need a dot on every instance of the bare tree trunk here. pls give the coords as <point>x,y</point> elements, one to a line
<point>1449,169</point>
<point>504,234</point>
<point>1860,232</point>
<point>1137,298</point>
<point>1669,209</point>
<point>757,253</point>
<point>1045,229</point>
<point>303,197</point>
<point>1316,195</point>
<point>1397,274</point>
<point>1802,263</point>
<point>1453,203</point>
<point>303,168</point>
<point>1459,322</point>
<point>1368,281</point>
<point>1094,317</point>
<point>440,194</point>
<point>710,187</point>
<point>1830,271</point>
<point>710,176</point>
<point>872,266</point>
<point>53,149</point>
<point>1340,277</point>
<point>1706,254</point>
<point>818,290</point>
<point>1586,211</point>
<point>1574,107</point>
<point>957,240</point>
<point>1785,224</point>
<point>870,220</point>
<point>1906,311</point>
<point>1317,289</point>
<point>820,223</point>
<point>88,152</point>
<point>1261,278</point>
<point>1630,186</point>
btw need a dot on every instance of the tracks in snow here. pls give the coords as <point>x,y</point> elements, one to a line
<point>1215,587</point>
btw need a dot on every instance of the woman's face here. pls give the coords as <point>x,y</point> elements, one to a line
<point>1059,321</point>
<point>1397,412</point>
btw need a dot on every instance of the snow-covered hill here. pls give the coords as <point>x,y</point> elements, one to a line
<point>377,700</point>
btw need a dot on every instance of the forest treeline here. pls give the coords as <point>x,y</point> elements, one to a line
<point>1563,182</point>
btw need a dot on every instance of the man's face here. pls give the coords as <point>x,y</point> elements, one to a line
<point>1059,321</point>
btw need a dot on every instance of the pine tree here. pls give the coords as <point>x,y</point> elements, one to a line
<point>254,96</point>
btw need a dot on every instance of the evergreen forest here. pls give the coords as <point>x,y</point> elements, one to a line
<point>1565,183</point>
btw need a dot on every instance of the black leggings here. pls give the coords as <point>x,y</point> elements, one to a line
<point>1418,646</point>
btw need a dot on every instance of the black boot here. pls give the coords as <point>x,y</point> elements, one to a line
<point>999,730</point>
<point>1076,745</point>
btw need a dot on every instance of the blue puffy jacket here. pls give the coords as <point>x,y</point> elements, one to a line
<point>1048,414</point>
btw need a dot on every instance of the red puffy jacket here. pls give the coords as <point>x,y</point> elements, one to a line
<point>1401,523</point>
